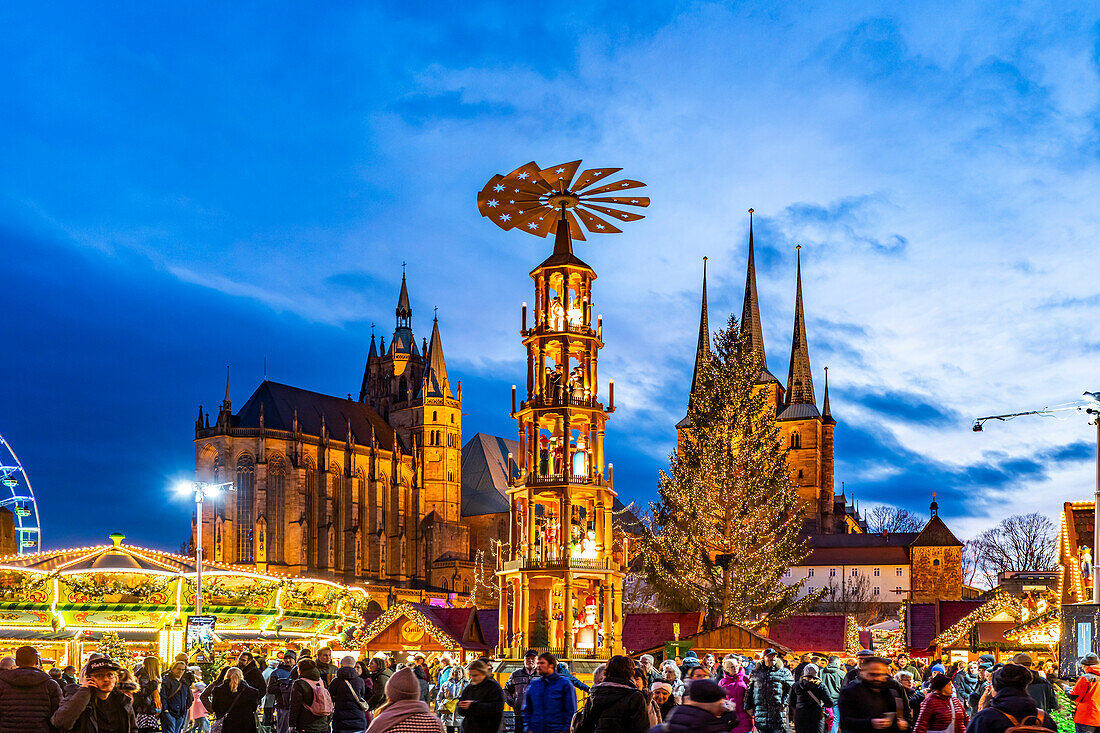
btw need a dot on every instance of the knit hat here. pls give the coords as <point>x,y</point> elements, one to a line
<point>1012,675</point>
<point>658,685</point>
<point>939,681</point>
<point>403,685</point>
<point>1023,659</point>
<point>705,690</point>
<point>937,667</point>
<point>810,670</point>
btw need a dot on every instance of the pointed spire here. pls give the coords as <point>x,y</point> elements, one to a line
<point>800,384</point>
<point>373,347</point>
<point>702,348</point>
<point>435,370</point>
<point>563,243</point>
<point>404,310</point>
<point>750,312</point>
<point>934,507</point>
<point>826,413</point>
<point>227,401</point>
<point>364,389</point>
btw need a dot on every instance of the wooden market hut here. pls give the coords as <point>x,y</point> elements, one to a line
<point>409,628</point>
<point>648,633</point>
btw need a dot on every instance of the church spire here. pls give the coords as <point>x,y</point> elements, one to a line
<point>750,313</point>
<point>226,403</point>
<point>364,390</point>
<point>800,385</point>
<point>435,371</point>
<point>702,350</point>
<point>404,310</point>
<point>826,413</point>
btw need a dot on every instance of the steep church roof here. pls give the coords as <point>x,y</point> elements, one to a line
<point>279,402</point>
<point>936,534</point>
<point>750,312</point>
<point>800,381</point>
<point>702,348</point>
<point>434,383</point>
<point>485,474</point>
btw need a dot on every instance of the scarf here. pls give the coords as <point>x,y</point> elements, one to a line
<point>397,712</point>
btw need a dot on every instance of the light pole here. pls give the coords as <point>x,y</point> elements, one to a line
<point>199,489</point>
<point>1090,405</point>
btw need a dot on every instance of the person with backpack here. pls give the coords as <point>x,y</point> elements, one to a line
<point>175,697</point>
<point>1086,693</point>
<point>310,702</point>
<point>1011,709</point>
<point>233,702</point>
<point>278,686</point>
<point>349,704</point>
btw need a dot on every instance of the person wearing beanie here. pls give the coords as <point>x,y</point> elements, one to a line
<point>704,711</point>
<point>662,695</point>
<point>404,711</point>
<point>1010,705</point>
<point>302,694</point>
<point>810,702</point>
<point>616,705</point>
<point>1086,693</point>
<point>941,710</point>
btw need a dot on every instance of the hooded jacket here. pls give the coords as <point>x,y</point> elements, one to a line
<point>1013,701</point>
<point>28,698</point>
<point>301,696</point>
<point>766,697</point>
<point>693,719</point>
<point>278,682</point>
<point>735,686</point>
<point>1042,692</point>
<point>1086,693</point>
<point>832,679</point>
<point>549,703</point>
<point>346,691</point>
<point>378,689</point>
<point>81,713</point>
<point>614,706</point>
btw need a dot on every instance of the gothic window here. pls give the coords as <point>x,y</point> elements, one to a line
<point>796,442</point>
<point>435,416</point>
<point>308,511</point>
<point>246,509</point>
<point>276,512</point>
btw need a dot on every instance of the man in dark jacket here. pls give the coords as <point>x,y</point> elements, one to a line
<point>549,701</point>
<point>28,696</point>
<point>1010,698</point>
<point>853,674</point>
<point>1040,689</point>
<point>348,691</point>
<point>874,702</point>
<point>278,685</point>
<point>767,694</point>
<point>515,689</point>
<point>96,706</point>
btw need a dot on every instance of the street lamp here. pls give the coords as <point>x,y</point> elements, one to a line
<point>1091,406</point>
<point>200,489</point>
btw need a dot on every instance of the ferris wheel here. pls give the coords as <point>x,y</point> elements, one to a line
<point>17,497</point>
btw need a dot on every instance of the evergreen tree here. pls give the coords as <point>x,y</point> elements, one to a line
<point>725,528</point>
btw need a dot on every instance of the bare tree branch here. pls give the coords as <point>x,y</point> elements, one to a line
<point>891,519</point>
<point>1021,542</point>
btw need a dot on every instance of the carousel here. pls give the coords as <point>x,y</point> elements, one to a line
<point>64,602</point>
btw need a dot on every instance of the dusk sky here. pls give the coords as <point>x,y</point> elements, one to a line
<point>185,187</point>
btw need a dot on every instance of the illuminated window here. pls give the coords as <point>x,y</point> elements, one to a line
<point>246,511</point>
<point>276,512</point>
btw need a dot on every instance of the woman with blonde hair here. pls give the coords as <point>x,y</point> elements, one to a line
<point>233,702</point>
<point>147,697</point>
<point>446,704</point>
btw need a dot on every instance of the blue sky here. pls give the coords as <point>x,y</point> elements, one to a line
<point>182,188</point>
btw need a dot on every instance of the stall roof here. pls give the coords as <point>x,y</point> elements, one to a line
<point>644,631</point>
<point>454,628</point>
<point>825,632</point>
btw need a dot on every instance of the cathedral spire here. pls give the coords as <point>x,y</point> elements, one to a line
<point>226,403</point>
<point>826,413</point>
<point>435,382</point>
<point>364,390</point>
<point>404,310</point>
<point>702,349</point>
<point>800,385</point>
<point>750,313</point>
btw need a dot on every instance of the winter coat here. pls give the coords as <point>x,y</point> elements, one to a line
<point>916,699</point>
<point>328,672</point>
<point>175,696</point>
<point>279,681</point>
<point>301,697</point>
<point>1014,702</point>
<point>809,700</point>
<point>735,687</point>
<point>1042,692</point>
<point>936,714</point>
<point>515,689</point>
<point>1086,693</point>
<point>964,684</point>
<point>28,699</point>
<point>346,713</point>
<point>549,704</point>
<point>832,679</point>
<point>860,703</point>
<point>487,711</point>
<point>378,691</point>
<point>80,713</point>
<point>976,696</point>
<point>451,689</point>
<point>614,706</point>
<point>692,719</point>
<point>422,678</point>
<point>218,699</point>
<point>145,698</point>
<point>766,697</point>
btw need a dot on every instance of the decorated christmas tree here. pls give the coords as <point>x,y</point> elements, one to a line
<point>114,647</point>
<point>725,528</point>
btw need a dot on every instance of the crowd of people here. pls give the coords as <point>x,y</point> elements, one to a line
<point>305,693</point>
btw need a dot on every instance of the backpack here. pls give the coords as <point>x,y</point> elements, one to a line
<point>322,701</point>
<point>1023,726</point>
<point>283,687</point>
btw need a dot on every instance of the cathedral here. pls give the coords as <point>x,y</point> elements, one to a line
<point>363,491</point>
<point>805,429</point>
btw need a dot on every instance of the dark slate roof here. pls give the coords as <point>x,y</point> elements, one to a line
<point>859,549</point>
<point>799,411</point>
<point>936,534</point>
<point>280,400</point>
<point>485,474</point>
<point>643,631</point>
<point>489,628</point>
<point>811,632</point>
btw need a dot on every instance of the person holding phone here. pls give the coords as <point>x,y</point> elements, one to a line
<point>96,706</point>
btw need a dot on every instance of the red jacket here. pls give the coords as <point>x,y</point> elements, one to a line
<point>935,714</point>
<point>1086,692</point>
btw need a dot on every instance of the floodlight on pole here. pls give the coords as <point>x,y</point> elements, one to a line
<point>200,489</point>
